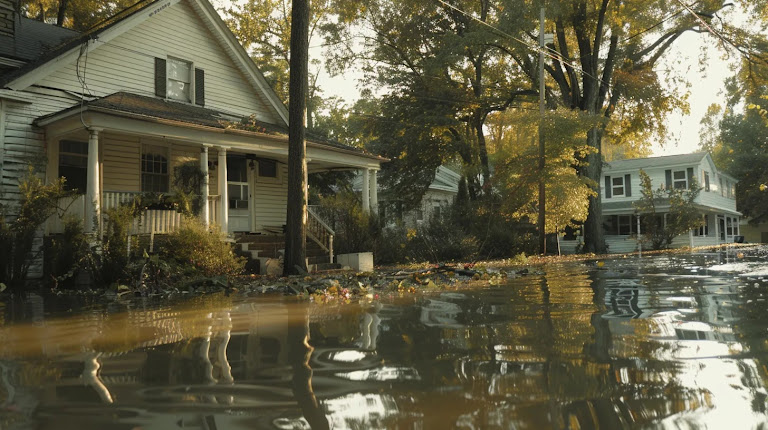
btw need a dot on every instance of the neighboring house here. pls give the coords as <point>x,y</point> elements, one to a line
<point>439,196</point>
<point>116,109</point>
<point>620,188</point>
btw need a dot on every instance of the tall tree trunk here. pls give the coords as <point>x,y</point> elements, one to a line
<point>594,240</point>
<point>482,149</point>
<point>62,12</point>
<point>296,227</point>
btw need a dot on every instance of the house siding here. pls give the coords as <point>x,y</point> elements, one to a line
<point>270,200</point>
<point>126,63</point>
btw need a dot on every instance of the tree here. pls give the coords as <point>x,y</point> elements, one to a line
<point>517,175</point>
<point>738,138</point>
<point>666,213</point>
<point>79,15</point>
<point>263,27</point>
<point>296,215</point>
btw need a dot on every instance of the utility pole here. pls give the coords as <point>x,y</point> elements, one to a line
<point>542,160</point>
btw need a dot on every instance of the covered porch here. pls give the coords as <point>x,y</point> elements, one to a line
<point>120,146</point>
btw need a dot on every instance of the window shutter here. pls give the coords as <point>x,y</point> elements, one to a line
<point>200,87</point>
<point>627,186</point>
<point>160,90</point>
<point>607,187</point>
<point>668,175</point>
<point>689,173</point>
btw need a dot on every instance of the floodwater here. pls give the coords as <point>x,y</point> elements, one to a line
<point>660,342</point>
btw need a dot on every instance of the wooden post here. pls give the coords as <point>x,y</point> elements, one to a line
<point>92,194</point>
<point>205,207</point>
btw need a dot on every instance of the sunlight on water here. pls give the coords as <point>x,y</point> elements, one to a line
<point>662,342</point>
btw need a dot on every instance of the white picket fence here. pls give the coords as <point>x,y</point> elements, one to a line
<point>152,221</point>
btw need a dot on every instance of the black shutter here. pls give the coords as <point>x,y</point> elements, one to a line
<point>160,90</point>
<point>200,87</point>
<point>668,175</point>
<point>627,186</point>
<point>689,172</point>
<point>607,187</point>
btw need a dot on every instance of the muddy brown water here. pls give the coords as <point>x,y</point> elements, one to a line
<point>660,342</point>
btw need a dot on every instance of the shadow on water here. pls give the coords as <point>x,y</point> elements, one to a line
<point>660,342</point>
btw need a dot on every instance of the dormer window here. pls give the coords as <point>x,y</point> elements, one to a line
<point>177,79</point>
<point>680,180</point>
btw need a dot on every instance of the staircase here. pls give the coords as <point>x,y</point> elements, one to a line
<point>259,249</point>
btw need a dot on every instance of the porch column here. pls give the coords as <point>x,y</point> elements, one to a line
<point>374,192</point>
<point>92,192</point>
<point>205,209</point>
<point>366,190</point>
<point>223,195</point>
<point>717,228</point>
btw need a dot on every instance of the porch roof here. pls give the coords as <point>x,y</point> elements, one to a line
<point>626,207</point>
<point>202,125</point>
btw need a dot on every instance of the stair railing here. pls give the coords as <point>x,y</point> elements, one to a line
<point>320,232</point>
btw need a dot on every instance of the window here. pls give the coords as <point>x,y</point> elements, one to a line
<point>702,230</point>
<point>679,180</point>
<point>625,224</point>
<point>179,74</point>
<point>617,187</point>
<point>706,181</point>
<point>267,168</point>
<point>722,190</point>
<point>154,170</point>
<point>178,79</point>
<point>729,226</point>
<point>73,164</point>
<point>237,182</point>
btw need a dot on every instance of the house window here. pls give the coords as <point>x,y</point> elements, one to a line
<point>722,190</point>
<point>702,230</point>
<point>625,224</point>
<point>617,186</point>
<point>729,226</point>
<point>267,168</point>
<point>237,182</point>
<point>679,180</point>
<point>154,170</point>
<point>706,181</point>
<point>179,80</point>
<point>73,164</point>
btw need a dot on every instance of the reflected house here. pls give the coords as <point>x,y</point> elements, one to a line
<point>620,188</point>
<point>118,109</point>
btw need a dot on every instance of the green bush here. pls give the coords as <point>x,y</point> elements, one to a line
<point>66,253</point>
<point>441,240</point>
<point>392,245</point>
<point>355,230</point>
<point>19,226</point>
<point>202,250</point>
<point>110,258</point>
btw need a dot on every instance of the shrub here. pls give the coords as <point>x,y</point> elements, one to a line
<point>112,262</point>
<point>355,230</point>
<point>18,227</point>
<point>392,245</point>
<point>66,253</point>
<point>203,250</point>
<point>441,240</point>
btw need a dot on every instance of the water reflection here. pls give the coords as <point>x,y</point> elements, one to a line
<point>662,342</point>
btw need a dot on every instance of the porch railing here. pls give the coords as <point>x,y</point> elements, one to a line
<point>158,221</point>
<point>320,232</point>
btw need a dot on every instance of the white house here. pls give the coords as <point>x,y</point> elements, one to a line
<point>440,194</point>
<point>620,188</point>
<point>115,109</point>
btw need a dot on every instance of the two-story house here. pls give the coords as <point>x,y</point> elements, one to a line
<point>116,109</point>
<point>620,188</point>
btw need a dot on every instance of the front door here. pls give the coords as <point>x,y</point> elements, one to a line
<point>239,193</point>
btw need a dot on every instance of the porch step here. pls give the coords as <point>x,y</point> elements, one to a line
<point>323,267</point>
<point>261,248</point>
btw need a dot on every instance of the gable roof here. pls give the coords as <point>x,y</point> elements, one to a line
<point>131,17</point>
<point>656,162</point>
<point>32,39</point>
<point>445,180</point>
